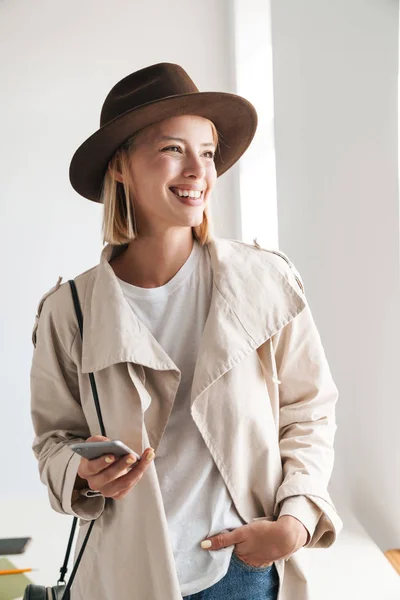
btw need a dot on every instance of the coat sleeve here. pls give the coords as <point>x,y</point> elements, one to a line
<point>304,510</point>
<point>57,415</point>
<point>307,426</point>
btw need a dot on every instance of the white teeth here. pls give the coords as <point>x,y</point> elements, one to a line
<point>186,193</point>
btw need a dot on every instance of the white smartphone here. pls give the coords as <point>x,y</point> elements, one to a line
<point>91,450</point>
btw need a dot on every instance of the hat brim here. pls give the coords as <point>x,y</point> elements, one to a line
<point>234,117</point>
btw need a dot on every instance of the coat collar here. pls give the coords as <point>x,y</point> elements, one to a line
<point>251,301</point>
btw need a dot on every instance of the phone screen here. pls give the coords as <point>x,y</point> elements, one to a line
<point>13,545</point>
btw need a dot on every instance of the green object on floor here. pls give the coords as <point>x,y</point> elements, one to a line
<point>11,586</point>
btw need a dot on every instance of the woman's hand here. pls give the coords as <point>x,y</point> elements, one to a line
<point>112,477</point>
<point>261,543</point>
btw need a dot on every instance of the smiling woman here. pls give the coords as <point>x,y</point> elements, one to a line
<point>207,361</point>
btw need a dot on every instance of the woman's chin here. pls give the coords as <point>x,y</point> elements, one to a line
<point>192,220</point>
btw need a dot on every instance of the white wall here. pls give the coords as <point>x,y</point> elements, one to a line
<point>58,60</point>
<point>335,96</point>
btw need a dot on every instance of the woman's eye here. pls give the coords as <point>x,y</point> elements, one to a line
<point>172,148</point>
<point>210,154</point>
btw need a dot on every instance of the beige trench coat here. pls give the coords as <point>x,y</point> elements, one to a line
<point>263,400</point>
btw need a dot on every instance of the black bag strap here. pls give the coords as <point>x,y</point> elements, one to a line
<point>79,316</point>
<point>64,568</point>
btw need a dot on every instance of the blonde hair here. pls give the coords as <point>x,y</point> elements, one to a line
<point>119,224</point>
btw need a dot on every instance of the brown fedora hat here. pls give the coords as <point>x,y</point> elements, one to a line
<point>148,96</point>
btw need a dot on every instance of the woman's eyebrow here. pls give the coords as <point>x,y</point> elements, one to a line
<point>164,138</point>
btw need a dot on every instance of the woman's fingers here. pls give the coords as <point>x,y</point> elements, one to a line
<point>113,477</point>
<point>90,467</point>
<point>121,485</point>
<point>101,471</point>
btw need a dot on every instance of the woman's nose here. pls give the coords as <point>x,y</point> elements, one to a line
<point>194,168</point>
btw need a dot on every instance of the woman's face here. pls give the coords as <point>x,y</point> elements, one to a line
<point>173,157</point>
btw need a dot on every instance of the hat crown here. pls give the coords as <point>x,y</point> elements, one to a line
<point>150,84</point>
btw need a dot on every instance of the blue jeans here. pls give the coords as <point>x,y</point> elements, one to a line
<point>242,582</point>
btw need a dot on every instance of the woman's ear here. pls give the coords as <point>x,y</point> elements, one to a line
<point>115,174</point>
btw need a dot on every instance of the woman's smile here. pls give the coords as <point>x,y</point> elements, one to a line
<point>188,197</point>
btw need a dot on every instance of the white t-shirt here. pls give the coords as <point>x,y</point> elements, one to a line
<point>196,500</point>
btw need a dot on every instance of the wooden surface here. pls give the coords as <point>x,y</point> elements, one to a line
<point>393,557</point>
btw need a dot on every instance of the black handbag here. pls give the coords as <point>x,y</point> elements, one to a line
<point>62,589</point>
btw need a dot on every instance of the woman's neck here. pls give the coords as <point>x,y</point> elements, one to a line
<point>151,262</point>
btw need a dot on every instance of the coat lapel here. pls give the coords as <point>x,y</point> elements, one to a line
<point>112,333</point>
<point>251,301</point>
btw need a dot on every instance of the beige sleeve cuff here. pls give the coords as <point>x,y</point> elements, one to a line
<point>304,510</point>
<point>89,505</point>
